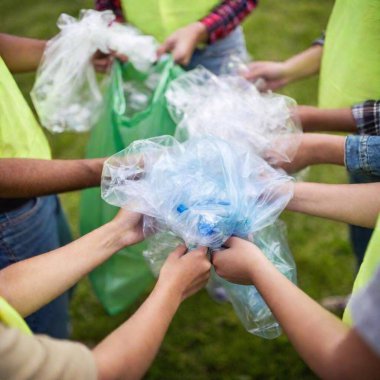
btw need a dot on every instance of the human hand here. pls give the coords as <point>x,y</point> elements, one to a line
<point>236,263</point>
<point>130,227</point>
<point>183,42</point>
<point>273,74</point>
<point>103,62</point>
<point>185,273</point>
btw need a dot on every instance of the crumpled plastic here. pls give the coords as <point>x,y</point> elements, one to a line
<point>66,93</point>
<point>231,108</point>
<point>201,191</point>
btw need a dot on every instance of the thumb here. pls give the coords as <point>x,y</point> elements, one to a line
<point>178,252</point>
<point>165,47</point>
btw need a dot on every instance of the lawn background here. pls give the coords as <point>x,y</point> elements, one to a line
<point>205,340</point>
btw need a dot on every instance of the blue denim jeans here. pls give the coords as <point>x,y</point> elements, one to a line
<point>213,56</point>
<point>37,227</point>
<point>362,160</point>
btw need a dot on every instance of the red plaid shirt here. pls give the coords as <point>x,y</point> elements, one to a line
<point>221,21</point>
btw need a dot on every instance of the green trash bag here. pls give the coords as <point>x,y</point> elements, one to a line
<point>121,280</point>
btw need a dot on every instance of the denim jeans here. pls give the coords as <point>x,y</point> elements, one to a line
<point>362,160</point>
<point>37,227</point>
<point>213,56</point>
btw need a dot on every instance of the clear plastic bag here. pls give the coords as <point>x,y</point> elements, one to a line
<point>247,302</point>
<point>66,94</point>
<point>202,192</point>
<point>231,108</point>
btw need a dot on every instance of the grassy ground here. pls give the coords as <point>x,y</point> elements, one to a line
<point>205,340</point>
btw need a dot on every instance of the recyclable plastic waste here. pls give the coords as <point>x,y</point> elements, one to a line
<point>203,191</point>
<point>66,93</point>
<point>231,108</point>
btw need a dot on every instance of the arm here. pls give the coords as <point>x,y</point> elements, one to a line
<point>64,267</point>
<point>226,16</point>
<point>316,149</point>
<point>221,21</point>
<point>113,5</point>
<point>128,352</point>
<point>279,74</point>
<point>330,348</point>
<point>353,204</point>
<point>21,54</point>
<point>25,178</point>
<point>314,119</point>
<point>360,154</point>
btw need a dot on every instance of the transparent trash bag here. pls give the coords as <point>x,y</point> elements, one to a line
<point>231,108</point>
<point>247,302</point>
<point>66,93</point>
<point>200,192</point>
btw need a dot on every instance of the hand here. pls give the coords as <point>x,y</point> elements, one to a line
<point>183,42</point>
<point>237,262</point>
<point>130,225</point>
<point>185,273</point>
<point>274,74</point>
<point>103,62</point>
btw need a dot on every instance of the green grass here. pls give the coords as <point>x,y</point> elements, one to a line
<point>205,340</point>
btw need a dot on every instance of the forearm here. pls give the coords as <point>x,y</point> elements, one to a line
<point>303,64</point>
<point>25,178</point>
<point>353,204</point>
<point>329,347</point>
<point>314,119</point>
<point>57,270</point>
<point>129,351</point>
<point>21,54</point>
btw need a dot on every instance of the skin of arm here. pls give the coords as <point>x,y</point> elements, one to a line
<point>128,352</point>
<point>183,42</point>
<point>315,149</point>
<point>65,266</point>
<point>330,348</point>
<point>314,119</point>
<point>26,178</point>
<point>357,204</point>
<point>21,54</point>
<point>279,74</point>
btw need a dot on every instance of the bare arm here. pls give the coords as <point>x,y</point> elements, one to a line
<point>316,149</point>
<point>128,352</point>
<point>64,267</point>
<point>357,204</point>
<point>21,54</point>
<point>25,178</point>
<point>314,119</point>
<point>330,348</point>
<point>279,74</point>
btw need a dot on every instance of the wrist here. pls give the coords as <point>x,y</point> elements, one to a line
<point>200,31</point>
<point>172,293</point>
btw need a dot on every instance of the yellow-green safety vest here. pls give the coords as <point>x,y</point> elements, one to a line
<point>368,268</point>
<point>350,71</point>
<point>20,134</point>
<point>160,18</point>
<point>10,318</point>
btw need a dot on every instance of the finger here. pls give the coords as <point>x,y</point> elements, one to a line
<point>165,47</point>
<point>178,252</point>
<point>202,249</point>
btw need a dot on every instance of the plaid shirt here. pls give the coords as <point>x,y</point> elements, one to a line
<point>367,117</point>
<point>221,21</point>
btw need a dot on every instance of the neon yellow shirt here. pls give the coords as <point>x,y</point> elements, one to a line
<point>350,71</point>
<point>20,133</point>
<point>368,268</point>
<point>160,18</point>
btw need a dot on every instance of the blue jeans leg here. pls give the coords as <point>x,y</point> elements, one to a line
<point>27,232</point>
<point>213,56</point>
<point>360,236</point>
